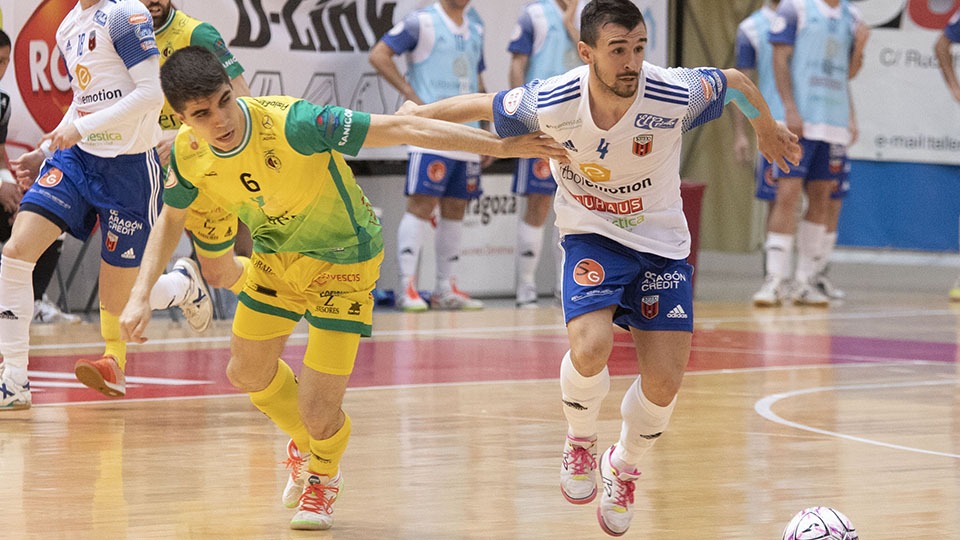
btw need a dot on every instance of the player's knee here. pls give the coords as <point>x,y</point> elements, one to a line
<point>245,379</point>
<point>590,359</point>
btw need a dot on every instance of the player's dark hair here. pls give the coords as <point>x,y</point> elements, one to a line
<point>191,73</point>
<point>4,39</point>
<point>598,13</point>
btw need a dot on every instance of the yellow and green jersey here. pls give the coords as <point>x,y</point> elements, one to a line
<point>182,30</point>
<point>287,180</point>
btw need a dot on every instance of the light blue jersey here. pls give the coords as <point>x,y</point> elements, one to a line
<point>541,35</point>
<point>443,59</point>
<point>822,38</point>
<point>754,51</point>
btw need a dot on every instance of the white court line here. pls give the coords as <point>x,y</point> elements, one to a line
<point>764,408</point>
<point>700,321</point>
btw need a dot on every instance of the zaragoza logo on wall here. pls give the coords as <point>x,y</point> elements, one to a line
<point>41,74</point>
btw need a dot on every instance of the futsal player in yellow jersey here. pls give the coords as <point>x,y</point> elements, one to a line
<point>277,162</point>
<point>212,229</point>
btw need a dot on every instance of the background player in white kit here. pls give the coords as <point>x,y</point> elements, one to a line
<point>625,238</point>
<point>104,166</point>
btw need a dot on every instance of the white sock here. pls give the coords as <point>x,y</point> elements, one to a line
<point>447,242</point>
<point>809,244</point>
<point>779,248</point>
<point>643,423</point>
<point>826,250</point>
<point>170,290</point>
<point>529,243</point>
<point>410,235</point>
<point>16,313</point>
<point>582,397</point>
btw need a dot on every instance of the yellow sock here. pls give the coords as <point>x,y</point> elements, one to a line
<point>279,402</point>
<point>238,285</point>
<point>110,330</point>
<point>326,454</point>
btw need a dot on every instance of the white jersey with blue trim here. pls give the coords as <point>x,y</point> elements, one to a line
<point>622,182</point>
<point>99,44</point>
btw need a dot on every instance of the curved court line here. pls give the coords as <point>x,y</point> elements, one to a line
<point>764,408</point>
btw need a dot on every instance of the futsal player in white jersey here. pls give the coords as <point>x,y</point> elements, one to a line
<point>817,46</point>
<point>625,238</point>
<point>101,166</point>
<point>950,35</point>
<point>543,45</point>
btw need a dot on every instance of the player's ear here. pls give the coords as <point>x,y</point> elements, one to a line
<point>180,117</point>
<point>585,52</point>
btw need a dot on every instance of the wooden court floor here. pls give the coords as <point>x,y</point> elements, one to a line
<point>457,428</point>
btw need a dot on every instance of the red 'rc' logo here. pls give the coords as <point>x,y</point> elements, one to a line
<point>41,73</point>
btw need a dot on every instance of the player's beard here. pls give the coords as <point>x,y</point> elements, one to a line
<point>618,88</point>
<point>164,13</point>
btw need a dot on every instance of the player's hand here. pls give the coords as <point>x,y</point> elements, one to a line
<point>407,109</point>
<point>794,121</point>
<point>63,137</point>
<point>486,161</point>
<point>534,145</point>
<point>779,145</point>
<point>10,198</point>
<point>26,167</point>
<point>163,150</point>
<point>134,319</point>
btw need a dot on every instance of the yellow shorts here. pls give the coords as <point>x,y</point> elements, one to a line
<point>282,288</point>
<point>212,227</point>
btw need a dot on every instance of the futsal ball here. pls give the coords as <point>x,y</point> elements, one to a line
<point>820,523</point>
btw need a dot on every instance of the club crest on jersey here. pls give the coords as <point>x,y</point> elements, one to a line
<point>92,40</point>
<point>272,161</point>
<point>650,306</point>
<point>512,101</point>
<point>111,243</point>
<point>588,273</point>
<point>595,172</point>
<point>642,145</point>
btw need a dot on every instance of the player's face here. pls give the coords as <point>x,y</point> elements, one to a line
<point>216,118</point>
<point>4,60</point>
<point>159,11</point>
<point>616,61</point>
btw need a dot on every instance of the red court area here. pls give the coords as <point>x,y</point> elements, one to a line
<point>187,373</point>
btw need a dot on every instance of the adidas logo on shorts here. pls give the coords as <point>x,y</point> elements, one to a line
<point>128,254</point>
<point>677,313</point>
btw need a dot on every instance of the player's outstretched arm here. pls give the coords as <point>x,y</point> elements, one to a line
<point>774,140</point>
<point>160,246</point>
<point>390,130</point>
<point>457,109</point>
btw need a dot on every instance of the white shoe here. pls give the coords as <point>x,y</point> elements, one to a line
<point>14,396</point>
<point>578,473</point>
<point>825,286</point>
<point>295,482</point>
<point>409,299</point>
<point>807,294</point>
<point>316,503</point>
<point>46,312</point>
<point>198,307</point>
<point>770,294</point>
<point>454,299</point>
<point>527,296</point>
<point>616,501</point>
